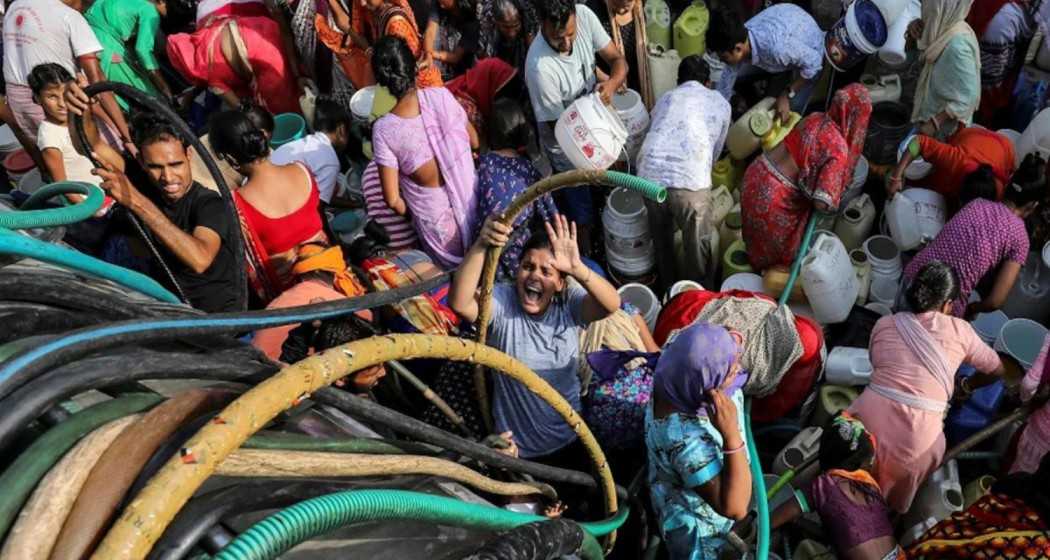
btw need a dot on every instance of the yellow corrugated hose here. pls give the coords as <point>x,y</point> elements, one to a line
<point>149,513</point>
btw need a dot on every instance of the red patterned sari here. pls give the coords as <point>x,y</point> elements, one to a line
<point>825,147</point>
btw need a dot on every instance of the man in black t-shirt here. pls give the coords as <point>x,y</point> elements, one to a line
<point>187,222</point>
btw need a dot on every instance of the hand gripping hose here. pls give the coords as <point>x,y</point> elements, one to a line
<point>32,464</point>
<point>236,238</point>
<point>74,345</point>
<point>27,218</point>
<point>145,517</point>
<point>307,519</point>
<point>648,189</point>
<point>24,246</point>
<point>314,464</point>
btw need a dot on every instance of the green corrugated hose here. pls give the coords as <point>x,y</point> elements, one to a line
<point>318,516</point>
<point>19,480</point>
<point>51,217</point>
<point>14,244</point>
<point>300,442</point>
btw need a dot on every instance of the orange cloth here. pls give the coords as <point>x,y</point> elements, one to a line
<point>269,341</point>
<point>964,152</point>
<point>356,63</point>
<point>315,257</point>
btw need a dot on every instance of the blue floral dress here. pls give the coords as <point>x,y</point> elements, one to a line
<point>500,179</point>
<point>685,452</point>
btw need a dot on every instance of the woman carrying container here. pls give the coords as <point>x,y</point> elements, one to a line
<point>986,243</point>
<point>962,154</point>
<point>915,356</point>
<point>809,170</point>
<point>423,150</point>
<point>949,85</point>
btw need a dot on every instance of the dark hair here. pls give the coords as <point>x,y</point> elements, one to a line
<point>260,117</point>
<point>233,135</point>
<point>45,75</point>
<point>538,241</point>
<point>979,184</point>
<point>502,8</point>
<point>393,65</point>
<point>148,128</point>
<point>845,444</point>
<point>329,116</point>
<point>1028,183</point>
<point>508,127</point>
<point>693,68</point>
<point>557,12</point>
<point>465,10</point>
<point>934,285</point>
<point>725,30</point>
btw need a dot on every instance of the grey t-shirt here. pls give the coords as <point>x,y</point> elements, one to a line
<point>555,80</point>
<point>550,346</point>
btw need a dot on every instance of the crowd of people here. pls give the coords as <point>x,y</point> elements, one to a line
<point>475,89</point>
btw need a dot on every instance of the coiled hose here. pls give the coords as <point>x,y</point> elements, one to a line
<point>540,540</point>
<point>32,362</point>
<point>236,237</point>
<point>24,246</point>
<point>298,442</point>
<point>146,516</point>
<point>27,218</point>
<point>310,518</point>
<point>648,189</point>
<point>32,464</point>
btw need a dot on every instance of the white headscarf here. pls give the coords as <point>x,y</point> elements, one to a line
<point>943,20</point>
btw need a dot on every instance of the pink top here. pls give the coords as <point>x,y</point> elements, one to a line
<point>269,341</point>
<point>1035,378</point>
<point>911,440</point>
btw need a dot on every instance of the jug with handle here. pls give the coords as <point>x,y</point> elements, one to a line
<point>690,30</point>
<point>743,139</point>
<point>828,280</point>
<point>658,23</point>
<point>862,266</point>
<point>882,88</point>
<point>778,131</point>
<point>663,69</point>
<point>855,222</point>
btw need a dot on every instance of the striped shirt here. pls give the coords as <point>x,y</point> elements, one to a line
<point>399,228</point>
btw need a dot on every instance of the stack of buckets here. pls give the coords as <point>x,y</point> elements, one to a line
<point>628,242</point>
<point>886,269</point>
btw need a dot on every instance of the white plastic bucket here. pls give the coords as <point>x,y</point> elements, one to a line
<point>361,103</point>
<point>915,217</point>
<point>1022,339</point>
<point>893,52</point>
<point>1013,136</point>
<point>591,135</point>
<point>848,366</point>
<point>682,286</point>
<point>1035,138</point>
<point>628,243</point>
<point>884,255</point>
<point>988,325</point>
<point>640,296</point>
<point>884,290</point>
<point>631,110</point>
<point>828,280</point>
<point>748,281</point>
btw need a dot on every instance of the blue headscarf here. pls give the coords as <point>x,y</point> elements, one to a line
<point>696,360</point>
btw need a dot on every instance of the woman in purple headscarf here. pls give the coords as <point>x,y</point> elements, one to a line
<point>698,469</point>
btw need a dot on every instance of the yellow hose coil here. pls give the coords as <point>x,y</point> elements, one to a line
<point>319,464</point>
<point>149,513</point>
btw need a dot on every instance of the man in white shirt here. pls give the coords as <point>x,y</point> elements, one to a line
<point>42,31</point>
<point>320,151</point>
<point>688,131</point>
<point>559,68</point>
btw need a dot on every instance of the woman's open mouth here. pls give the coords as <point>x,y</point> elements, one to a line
<point>533,293</point>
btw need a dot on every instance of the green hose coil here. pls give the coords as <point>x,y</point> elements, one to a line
<point>759,489</point>
<point>22,476</point>
<point>51,217</point>
<point>318,516</point>
<point>589,548</point>
<point>648,189</point>
<point>14,244</point>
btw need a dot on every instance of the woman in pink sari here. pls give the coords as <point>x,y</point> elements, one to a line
<point>240,51</point>
<point>915,357</point>
<point>810,169</point>
<point>423,149</point>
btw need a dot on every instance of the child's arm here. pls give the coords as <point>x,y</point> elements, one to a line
<point>729,493</point>
<point>462,296</point>
<point>53,164</point>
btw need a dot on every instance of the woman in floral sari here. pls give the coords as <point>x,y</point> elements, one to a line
<point>355,34</point>
<point>809,169</point>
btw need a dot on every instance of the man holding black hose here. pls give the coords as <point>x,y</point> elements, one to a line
<point>185,221</point>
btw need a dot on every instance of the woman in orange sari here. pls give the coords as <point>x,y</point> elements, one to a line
<point>354,34</point>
